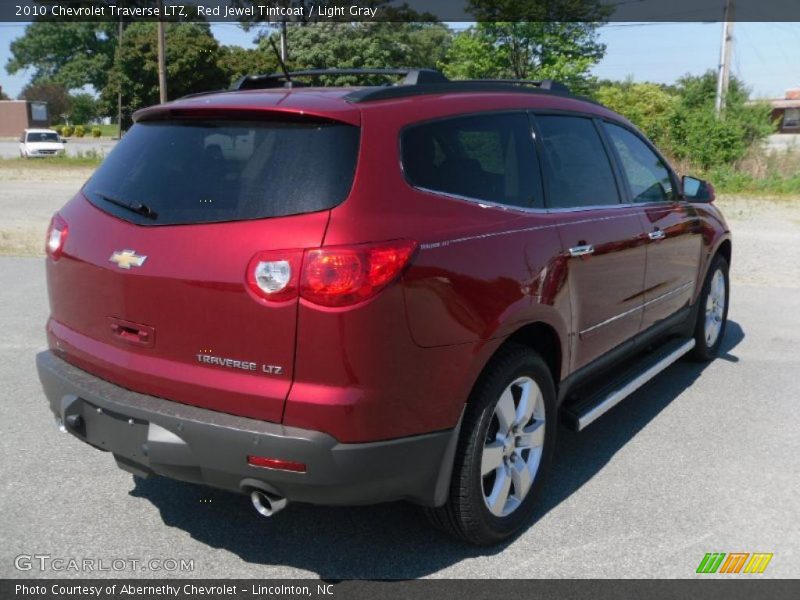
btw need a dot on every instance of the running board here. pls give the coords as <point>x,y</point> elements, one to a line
<point>589,409</point>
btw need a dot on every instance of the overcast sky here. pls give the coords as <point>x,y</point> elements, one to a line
<point>766,55</point>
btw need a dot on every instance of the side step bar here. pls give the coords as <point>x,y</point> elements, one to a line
<point>586,411</point>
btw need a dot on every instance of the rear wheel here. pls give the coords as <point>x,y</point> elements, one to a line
<point>505,448</point>
<point>712,314</point>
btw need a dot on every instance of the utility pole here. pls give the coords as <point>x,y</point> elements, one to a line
<point>119,92</point>
<point>723,77</point>
<point>162,61</point>
<point>284,49</point>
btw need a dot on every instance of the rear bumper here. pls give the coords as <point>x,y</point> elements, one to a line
<point>149,435</point>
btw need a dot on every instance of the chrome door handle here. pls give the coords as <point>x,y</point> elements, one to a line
<point>581,250</point>
<point>658,234</point>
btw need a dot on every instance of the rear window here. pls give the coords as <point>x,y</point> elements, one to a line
<point>210,171</point>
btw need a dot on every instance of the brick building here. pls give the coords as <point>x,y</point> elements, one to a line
<point>16,115</point>
<point>787,112</point>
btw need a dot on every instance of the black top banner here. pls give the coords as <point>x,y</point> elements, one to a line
<point>400,10</point>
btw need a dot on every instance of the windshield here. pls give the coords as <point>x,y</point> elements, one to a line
<point>210,171</point>
<point>37,136</point>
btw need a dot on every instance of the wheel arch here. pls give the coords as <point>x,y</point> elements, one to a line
<point>545,341</point>
<point>724,249</point>
<point>723,246</point>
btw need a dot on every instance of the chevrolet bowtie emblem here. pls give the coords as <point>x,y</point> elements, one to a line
<point>126,259</point>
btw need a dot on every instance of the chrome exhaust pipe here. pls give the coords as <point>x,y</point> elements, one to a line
<point>266,504</point>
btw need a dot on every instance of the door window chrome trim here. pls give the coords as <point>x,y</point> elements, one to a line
<point>663,296</point>
<point>523,209</point>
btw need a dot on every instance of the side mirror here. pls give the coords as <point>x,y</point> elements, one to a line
<point>63,141</point>
<point>697,190</point>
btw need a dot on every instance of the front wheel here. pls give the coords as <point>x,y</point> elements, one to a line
<point>712,314</point>
<point>504,451</point>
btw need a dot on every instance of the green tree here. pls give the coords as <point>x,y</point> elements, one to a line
<point>471,56</point>
<point>364,45</point>
<point>708,140</point>
<point>564,51</point>
<point>83,108</point>
<point>56,96</point>
<point>70,54</point>
<point>192,66</point>
<point>235,62</point>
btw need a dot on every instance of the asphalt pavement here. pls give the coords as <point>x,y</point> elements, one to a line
<point>705,458</point>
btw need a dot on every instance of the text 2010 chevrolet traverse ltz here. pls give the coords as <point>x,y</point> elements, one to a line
<point>354,295</point>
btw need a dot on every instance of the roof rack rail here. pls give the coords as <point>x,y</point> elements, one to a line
<point>279,80</point>
<point>455,87</point>
<point>542,84</point>
<point>412,82</point>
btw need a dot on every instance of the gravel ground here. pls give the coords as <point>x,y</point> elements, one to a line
<point>705,458</point>
<point>29,197</point>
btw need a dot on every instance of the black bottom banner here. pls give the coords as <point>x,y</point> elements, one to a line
<point>437,589</point>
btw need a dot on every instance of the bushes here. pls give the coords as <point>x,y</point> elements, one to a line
<point>66,131</point>
<point>682,121</point>
<point>760,171</point>
<point>80,131</point>
<point>647,105</point>
<point>96,132</point>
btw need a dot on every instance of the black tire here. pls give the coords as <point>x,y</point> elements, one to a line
<point>466,514</point>
<point>704,351</point>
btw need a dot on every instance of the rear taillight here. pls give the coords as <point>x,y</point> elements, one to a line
<point>343,275</point>
<point>336,276</point>
<point>272,276</point>
<point>56,237</point>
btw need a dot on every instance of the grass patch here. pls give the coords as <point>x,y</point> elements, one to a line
<point>21,243</point>
<point>107,130</point>
<point>760,173</point>
<point>90,158</point>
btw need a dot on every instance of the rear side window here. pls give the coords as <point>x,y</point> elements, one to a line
<point>577,170</point>
<point>487,157</point>
<point>647,175</point>
<point>210,171</point>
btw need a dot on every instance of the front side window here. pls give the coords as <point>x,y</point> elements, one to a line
<point>487,157</point>
<point>578,172</point>
<point>647,175</point>
<point>209,171</point>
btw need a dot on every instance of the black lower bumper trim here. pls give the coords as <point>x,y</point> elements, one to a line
<point>151,435</point>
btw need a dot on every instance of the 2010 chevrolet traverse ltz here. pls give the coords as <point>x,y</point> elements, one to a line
<point>363,294</point>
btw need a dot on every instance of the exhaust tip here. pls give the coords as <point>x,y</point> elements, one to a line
<point>266,504</point>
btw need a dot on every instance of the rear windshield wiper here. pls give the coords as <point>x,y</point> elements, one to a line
<point>136,207</point>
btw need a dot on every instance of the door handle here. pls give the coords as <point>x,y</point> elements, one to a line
<point>657,234</point>
<point>584,250</point>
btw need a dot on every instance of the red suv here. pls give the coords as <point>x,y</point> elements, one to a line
<point>363,294</point>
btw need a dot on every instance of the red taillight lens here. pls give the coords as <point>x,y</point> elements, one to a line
<point>273,276</point>
<point>56,237</point>
<point>276,463</point>
<point>343,275</point>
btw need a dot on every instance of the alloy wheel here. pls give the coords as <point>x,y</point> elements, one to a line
<point>513,447</point>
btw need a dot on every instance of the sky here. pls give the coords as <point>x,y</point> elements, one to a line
<point>766,55</point>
